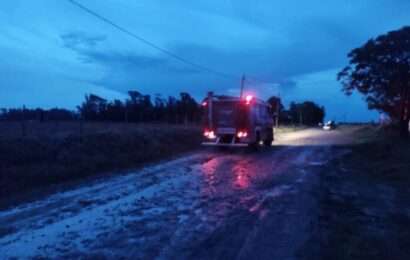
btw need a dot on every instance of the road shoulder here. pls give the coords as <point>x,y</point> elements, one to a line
<point>364,203</point>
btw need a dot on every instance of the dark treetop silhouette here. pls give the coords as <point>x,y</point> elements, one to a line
<point>140,108</point>
<point>380,70</point>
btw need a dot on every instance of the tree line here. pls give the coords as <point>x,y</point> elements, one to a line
<point>303,113</point>
<point>141,108</point>
<point>138,107</point>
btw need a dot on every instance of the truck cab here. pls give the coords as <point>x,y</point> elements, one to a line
<point>234,121</point>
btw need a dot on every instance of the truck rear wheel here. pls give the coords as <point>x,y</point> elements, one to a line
<point>254,145</point>
<point>269,137</point>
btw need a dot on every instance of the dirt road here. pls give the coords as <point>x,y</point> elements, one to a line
<point>206,205</point>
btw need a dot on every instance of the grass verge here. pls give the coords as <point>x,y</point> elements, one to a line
<point>365,203</point>
<point>38,161</point>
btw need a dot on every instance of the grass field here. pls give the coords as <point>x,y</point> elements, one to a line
<point>58,130</point>
<point>364,201</point>
<point>43,154</point>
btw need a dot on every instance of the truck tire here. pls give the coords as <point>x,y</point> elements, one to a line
<point>269,137</point>
<point>254,145</point>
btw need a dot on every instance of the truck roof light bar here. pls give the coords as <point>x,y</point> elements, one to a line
<point>248,99</point>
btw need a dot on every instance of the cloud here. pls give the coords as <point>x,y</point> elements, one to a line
<point>86,47</point>
<point>120,60</point>
<point>276,42</point>
<point>34,89</point>
<point>126,69</point>
<point>77,40</point>
<point>287,84</point>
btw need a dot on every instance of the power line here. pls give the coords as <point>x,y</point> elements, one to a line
<point>152,45</point>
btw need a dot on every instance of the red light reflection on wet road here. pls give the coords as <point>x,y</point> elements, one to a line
<point>241,175</point>
<point>234,174</point>
<point>209,174</point>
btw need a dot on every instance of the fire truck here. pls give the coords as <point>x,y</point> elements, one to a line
<point>237,122</point>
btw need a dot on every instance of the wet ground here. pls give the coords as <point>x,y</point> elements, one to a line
<point>206,205</point>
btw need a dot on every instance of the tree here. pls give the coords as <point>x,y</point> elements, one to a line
<point>380,70</point>
<point>93,107</point>
<point>159,108</point>
<point>134,106</point>
<point>306,113</point>
<point>3,113</point>
<point>276,108</point>
<point>187,108</point>
<point>140,107</point>
<point>116,111</point>
<point>147,108</point>
<point>172,110</point>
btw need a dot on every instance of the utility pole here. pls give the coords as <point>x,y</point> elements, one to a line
<point>242,85</point>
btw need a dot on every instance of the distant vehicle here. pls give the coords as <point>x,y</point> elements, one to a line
<point>236,122</point>
<point>329,125</point>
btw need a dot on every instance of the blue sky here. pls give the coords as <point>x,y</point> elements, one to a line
<point>53,53</point>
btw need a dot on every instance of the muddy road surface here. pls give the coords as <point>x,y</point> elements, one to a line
<point>206,205</point>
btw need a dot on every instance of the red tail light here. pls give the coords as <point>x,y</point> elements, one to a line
<point>242,134</point>
<point>209,134</point>
<point>206,133</point>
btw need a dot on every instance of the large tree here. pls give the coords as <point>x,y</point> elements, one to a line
<point>93,107</point>
<point>187,108</point>
<point>306,113</point>
<point>380,70</point>
<point>276,108</point>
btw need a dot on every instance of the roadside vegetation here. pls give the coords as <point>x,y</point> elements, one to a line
<point>140,108</point>
<point>379,70</point>
<point>365,195</point>
<point>364,200</point>
<point>55,153</point>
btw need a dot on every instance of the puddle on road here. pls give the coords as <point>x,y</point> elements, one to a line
<point>274,194</point>
<point>318,163</point>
